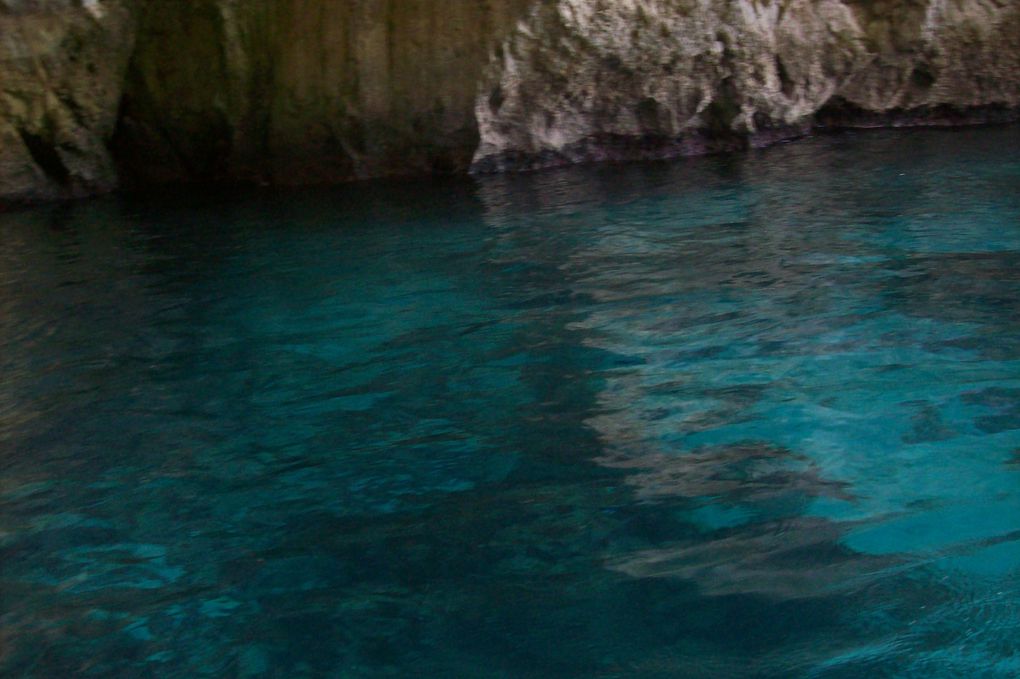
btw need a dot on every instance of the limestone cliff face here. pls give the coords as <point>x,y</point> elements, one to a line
<point>61,65</point>
<point>304,91</point>
<point>591,79</point>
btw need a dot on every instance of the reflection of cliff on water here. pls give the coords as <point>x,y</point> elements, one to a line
<point>747,472</point>
<point>767,559</point>
<point>672,337</point>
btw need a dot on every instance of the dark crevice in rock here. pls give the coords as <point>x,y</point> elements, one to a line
<point>786,83</point>
<point>46,157</point>
<point>720,114</point>
<point>74,108</point>
<point>496,99</point>
<point>922,76</point>
<point>647,112</point>
<point>768,131</point>
<point>839,113</point>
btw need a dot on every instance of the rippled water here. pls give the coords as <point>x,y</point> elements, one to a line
<point>753,415</point>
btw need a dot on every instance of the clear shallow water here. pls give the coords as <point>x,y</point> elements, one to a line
<point>741,416</point>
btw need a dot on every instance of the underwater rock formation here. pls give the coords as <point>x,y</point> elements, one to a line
<point>315,91</point>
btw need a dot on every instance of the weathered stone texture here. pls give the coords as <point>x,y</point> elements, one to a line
<point>61,67</point>
<point>590,79</point>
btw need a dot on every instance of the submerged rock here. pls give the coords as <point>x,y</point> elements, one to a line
<point>307,91</point>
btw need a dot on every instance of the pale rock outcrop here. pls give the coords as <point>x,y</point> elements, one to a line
<point>593,79</point>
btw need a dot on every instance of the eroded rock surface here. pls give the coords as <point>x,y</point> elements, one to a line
<point>593,79</point>
<point>307,91</point>
<point>61,67</point>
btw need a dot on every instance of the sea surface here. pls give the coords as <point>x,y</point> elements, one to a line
<point>753,415</point>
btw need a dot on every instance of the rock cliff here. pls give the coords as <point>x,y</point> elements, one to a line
<point>593,79</point>
<point>62,66</point>
<point>305,91</point>
<point>299,91</point>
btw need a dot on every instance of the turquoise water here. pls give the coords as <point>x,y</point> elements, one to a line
<point>745,416</point>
